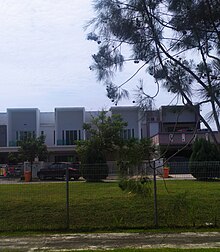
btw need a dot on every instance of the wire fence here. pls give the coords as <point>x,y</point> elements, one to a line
<point>187,195</point>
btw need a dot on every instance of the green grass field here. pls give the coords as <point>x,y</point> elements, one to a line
<point>103,206</point>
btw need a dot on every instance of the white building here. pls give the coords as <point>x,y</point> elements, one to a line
<point>64,126</point>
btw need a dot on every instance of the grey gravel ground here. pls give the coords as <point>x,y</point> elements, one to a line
<point>67,242</point>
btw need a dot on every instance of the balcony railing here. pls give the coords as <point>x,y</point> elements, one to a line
<point>181,138</point>
<point>64,142</point>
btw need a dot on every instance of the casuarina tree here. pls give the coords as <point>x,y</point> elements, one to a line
<point>177,42</point>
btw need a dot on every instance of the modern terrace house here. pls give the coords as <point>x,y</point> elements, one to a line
<point>170,128</point>
<point>179,126</point>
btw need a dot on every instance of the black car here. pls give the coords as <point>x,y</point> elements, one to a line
<point>58,170</point>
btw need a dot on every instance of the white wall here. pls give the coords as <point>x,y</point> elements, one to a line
<point>22,120</point>
<point>47,125</point>
<point>69,119</point>
<point>132,116</point>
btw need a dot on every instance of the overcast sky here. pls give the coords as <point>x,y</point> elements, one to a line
<point>45,57</point>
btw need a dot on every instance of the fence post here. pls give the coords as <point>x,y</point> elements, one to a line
<point>155,197</point>
<point>67,199</point>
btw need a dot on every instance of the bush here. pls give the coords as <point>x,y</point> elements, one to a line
<point>205,160</point>
<point>93,162</point>
<point>139,186</point>
<point>205,170</point>
<point>94,172</point>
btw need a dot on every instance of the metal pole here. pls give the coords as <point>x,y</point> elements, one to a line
<point>67,199</point>
<point>155,197</point>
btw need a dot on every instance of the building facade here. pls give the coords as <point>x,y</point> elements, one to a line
<point>170,127</point>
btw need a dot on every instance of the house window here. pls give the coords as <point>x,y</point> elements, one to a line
<point>63,139</point>
<point>70,136</point>
<point>127,134</point>
<point>74,136</point>
<point>132,133</point>
<point>23,135</point>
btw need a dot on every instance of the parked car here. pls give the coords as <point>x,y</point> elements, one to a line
<point>58,170</point>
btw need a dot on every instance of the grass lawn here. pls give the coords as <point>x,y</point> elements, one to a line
<point>103,206</point>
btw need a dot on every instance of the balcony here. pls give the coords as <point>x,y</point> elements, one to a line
<point>181,138</point>
<point>65,143</point>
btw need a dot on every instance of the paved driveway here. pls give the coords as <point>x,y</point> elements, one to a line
<point>111,240</point>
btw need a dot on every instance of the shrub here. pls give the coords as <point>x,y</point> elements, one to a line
<point>94,172</point>
<point>139,186</point>
<point>94,166</point>
<point>205,170</point>
<point>205,160</point>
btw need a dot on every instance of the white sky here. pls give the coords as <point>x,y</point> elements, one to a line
<point>45,57</point>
